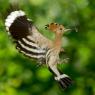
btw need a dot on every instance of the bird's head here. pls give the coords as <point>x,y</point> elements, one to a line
<point>56,28</point>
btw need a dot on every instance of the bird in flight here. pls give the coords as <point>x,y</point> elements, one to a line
<point>30,42</point>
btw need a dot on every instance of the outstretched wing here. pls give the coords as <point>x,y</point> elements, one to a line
<point>28,39</point>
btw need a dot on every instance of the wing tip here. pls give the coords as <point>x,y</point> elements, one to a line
<point>11,18</point>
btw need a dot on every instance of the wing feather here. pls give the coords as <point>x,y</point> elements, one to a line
<point>29,40</point>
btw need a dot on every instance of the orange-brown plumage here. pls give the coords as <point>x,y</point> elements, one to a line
<point>58,30</point>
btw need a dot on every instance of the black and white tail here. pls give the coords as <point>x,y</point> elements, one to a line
<point>20,29</point>
<point>63,79</point>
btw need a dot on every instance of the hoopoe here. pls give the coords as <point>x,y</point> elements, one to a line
<point>30,42</point>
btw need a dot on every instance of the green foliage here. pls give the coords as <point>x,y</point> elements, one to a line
<point>20,76</point>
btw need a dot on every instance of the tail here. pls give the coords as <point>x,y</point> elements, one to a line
<point>63,79</point>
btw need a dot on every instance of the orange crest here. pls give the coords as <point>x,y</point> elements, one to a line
<point>54,27</point>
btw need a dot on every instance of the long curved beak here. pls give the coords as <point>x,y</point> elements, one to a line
<point>75,29</point>
<point>65,30</point>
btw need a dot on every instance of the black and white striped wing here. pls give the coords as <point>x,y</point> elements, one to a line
<point>21,30</point>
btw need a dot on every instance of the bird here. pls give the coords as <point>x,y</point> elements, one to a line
<point>33,44</point>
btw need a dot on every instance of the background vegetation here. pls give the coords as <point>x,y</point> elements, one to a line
<point>21,76</point>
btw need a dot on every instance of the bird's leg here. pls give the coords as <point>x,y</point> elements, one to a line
<point>39,64</point>
<point>63,61</point>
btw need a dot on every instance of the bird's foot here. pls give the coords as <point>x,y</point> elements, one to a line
<point>64,61</point>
